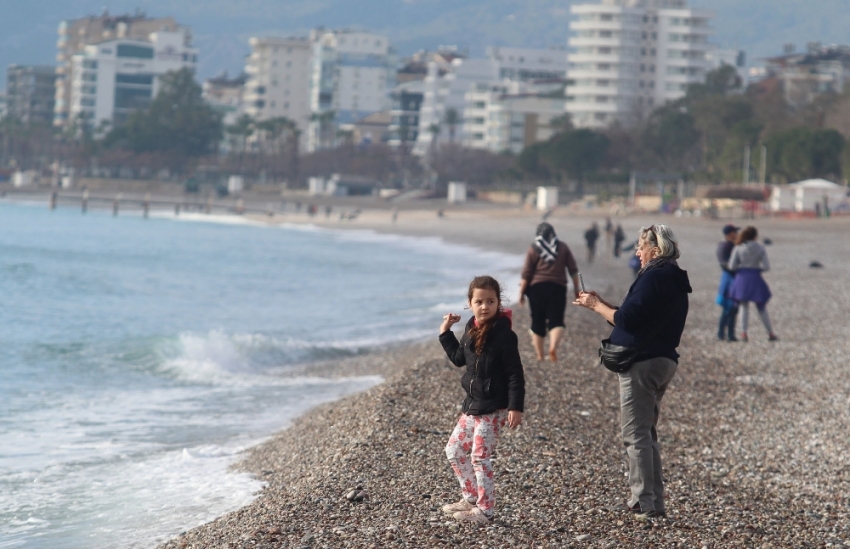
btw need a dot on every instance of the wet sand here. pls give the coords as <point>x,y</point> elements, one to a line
<point>753,434</point>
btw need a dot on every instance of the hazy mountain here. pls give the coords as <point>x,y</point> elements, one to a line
<point>222,27</point>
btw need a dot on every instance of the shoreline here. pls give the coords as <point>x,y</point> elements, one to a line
<point>751,433</point>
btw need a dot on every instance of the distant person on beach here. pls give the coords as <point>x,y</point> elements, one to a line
<point>609,233</point>
<point>544,281</point>
<point>495,393</point>
<point>619,237</point>
<point>650,321</point>
<point>748,261</point>
<point>729,315</point>
<point>590,237</point>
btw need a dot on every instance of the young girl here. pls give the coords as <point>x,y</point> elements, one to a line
<point>495,391</point>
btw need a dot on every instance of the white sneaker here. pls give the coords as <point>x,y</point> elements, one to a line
<point>462,505</point>
<point>474,515</point>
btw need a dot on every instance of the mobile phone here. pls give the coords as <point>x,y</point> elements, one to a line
<point>581,282</point>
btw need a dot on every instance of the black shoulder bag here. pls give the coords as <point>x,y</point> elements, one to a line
<point>619,358</point>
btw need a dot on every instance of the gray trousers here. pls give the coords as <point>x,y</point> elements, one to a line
<point>641,391</point>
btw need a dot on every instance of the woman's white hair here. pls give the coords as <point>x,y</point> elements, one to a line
<point>661,237</point>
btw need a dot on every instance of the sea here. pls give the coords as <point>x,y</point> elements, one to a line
<point>139,357</point>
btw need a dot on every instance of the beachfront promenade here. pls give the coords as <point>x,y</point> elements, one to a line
<point>753,434</point>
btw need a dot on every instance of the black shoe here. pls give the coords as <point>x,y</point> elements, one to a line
<point>732,338</point>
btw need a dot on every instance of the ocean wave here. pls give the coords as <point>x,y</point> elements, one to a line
<point>248,359</point>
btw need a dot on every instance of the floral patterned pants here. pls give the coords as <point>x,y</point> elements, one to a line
<point>469,450</point>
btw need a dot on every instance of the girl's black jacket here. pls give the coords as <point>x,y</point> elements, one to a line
<point>493,379</point>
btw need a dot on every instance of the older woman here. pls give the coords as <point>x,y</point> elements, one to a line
<point>651,319</point>
<point>544,281</point>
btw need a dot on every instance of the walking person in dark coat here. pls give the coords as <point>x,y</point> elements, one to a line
<point>619,237</point>
<point>591,236</point>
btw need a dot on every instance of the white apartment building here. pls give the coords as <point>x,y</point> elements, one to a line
<point>352,73</point>
<point>278,85</point>
<point>503,118</point>
<point>225,95</point>
<point>445,90</point>
<point>448,81</point>
<point>75,34</point>
<point>117,77</point>
<point>630,56</point>
<point>528,65</point>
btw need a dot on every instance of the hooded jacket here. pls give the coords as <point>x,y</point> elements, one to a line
<point>653,314</point>
<point>493,379</point>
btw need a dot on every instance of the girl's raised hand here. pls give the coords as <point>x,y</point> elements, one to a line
<point>449,320</point>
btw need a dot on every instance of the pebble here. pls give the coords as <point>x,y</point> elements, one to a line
<point>755,464</point>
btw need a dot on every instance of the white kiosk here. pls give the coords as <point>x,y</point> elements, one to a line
<point>547,197</point>
<point>457,192</point>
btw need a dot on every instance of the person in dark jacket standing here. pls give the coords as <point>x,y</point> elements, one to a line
<point>590,237</point>
<point>544,281</point>
<point>495,393</point>
<point>729,315</point>
<point>651,318</point>
<point>619,237</point>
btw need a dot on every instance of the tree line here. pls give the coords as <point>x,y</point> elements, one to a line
<point>701,136</point>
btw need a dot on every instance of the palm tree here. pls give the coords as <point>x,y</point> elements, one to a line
<point>452,119</point>
<point>240,131</point>
<point>325,120</point>
<point>273,130</point>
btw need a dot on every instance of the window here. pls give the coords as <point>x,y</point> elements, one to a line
<point>132,98</point>
<point>140,79</point>
<point>90,64</point>
<point>134,51</point>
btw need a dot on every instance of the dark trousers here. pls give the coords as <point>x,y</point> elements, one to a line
<point>728,318</point>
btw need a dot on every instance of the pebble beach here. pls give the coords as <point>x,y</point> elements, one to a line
<point>753,435</point>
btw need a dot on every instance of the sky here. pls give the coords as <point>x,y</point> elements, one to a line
<point>221,28</point>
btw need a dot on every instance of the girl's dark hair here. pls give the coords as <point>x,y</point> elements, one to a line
<point>478,334</point>
<point>749,233</point>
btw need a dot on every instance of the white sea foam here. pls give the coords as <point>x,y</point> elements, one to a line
<point>223,219</point>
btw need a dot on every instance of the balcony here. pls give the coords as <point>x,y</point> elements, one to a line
<point>604,25</point>
<point>596,41</point>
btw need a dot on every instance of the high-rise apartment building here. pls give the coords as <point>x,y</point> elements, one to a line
<point>451,77</point>
<point>30,93</point>
<point>630,56</point>
<point>75,34</point>
<point>511,116</point>
<point>278,84</point>
<point>351,75</point>
<point>114,78</point>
